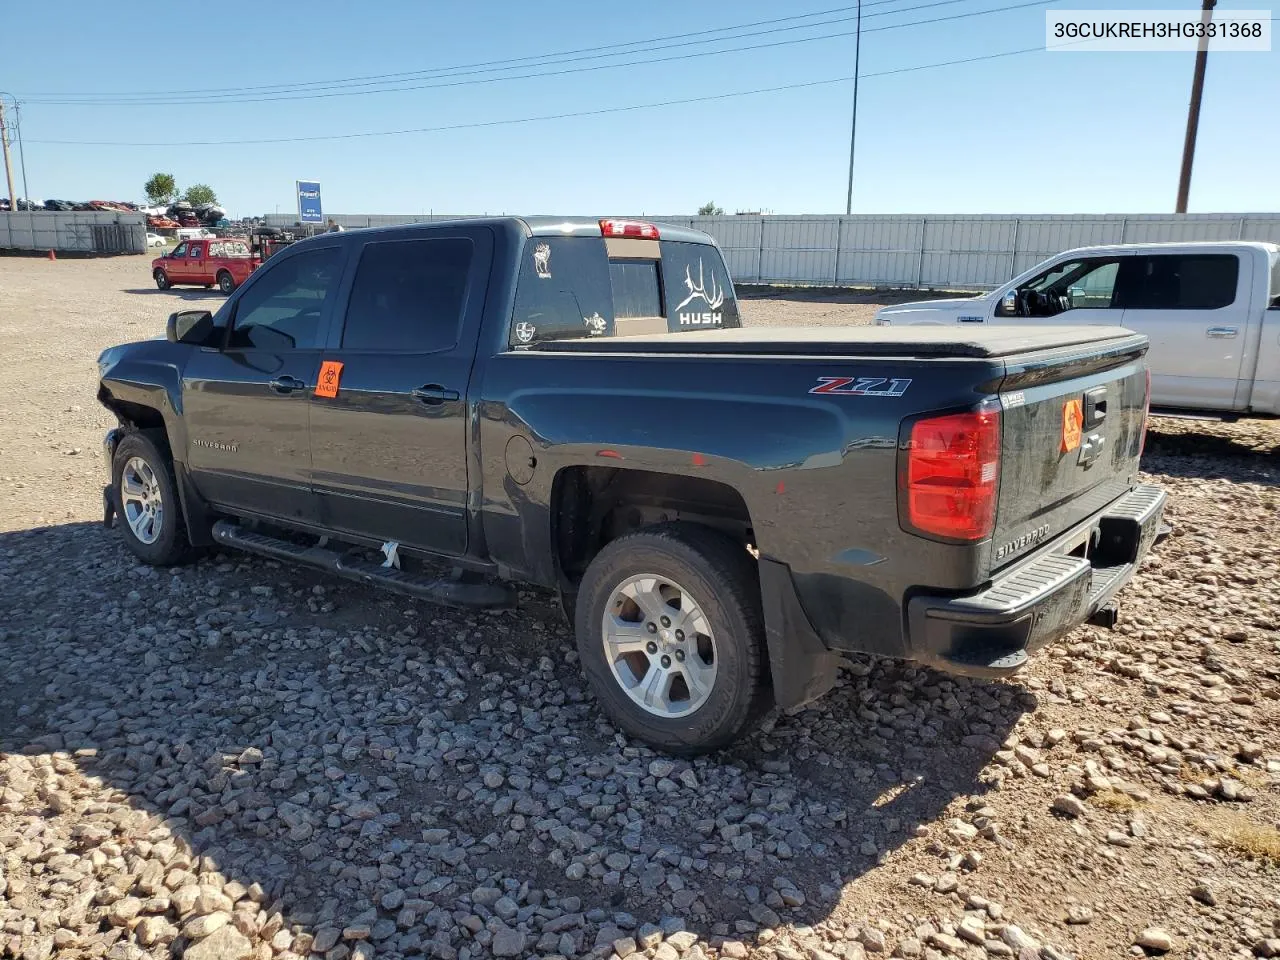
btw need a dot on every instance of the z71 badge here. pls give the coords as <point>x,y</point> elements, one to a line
<point>862,386</point>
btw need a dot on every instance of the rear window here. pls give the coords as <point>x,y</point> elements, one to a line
<point>570,287</point>
<point>408,295</point>
<point>637,291</point>
<point>228,248</point>
<point>1185,282</point>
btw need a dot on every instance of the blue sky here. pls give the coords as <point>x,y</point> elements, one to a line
<point>1033,133</point>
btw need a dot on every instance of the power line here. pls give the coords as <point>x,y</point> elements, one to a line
<point>544,117</point>
<point>589,68</point>
<point>507,63</point>
<point>482,63</point>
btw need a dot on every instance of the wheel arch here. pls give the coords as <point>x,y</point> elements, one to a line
<point>593,505</point>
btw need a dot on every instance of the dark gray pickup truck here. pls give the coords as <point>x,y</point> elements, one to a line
<point>573,403</point>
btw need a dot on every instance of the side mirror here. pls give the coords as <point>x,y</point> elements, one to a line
<point>1009,304</point>
<point>189,326</point>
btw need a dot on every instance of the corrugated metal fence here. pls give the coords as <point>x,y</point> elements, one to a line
<point>945,251</point>
<point>96,231</point>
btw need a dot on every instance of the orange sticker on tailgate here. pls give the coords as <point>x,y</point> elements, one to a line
<point>1072,421</point>
<point>331,375</point>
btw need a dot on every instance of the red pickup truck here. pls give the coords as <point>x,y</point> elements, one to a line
<point>226,261</point>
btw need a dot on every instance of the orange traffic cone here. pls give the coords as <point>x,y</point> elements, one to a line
<point>52,255</point>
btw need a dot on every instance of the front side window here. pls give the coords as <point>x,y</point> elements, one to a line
<point>282,308</point>
<point>1184,282</point>
<point>180,250</point>
<point>1087,283</point>
<point>408,295</point>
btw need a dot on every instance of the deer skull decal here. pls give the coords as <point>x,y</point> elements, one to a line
<point>698,291</point>
<point>714,299</point>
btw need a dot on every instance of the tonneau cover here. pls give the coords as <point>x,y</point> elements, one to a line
<point>933,341</point>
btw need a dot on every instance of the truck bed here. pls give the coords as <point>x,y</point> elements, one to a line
<point>981,342</point>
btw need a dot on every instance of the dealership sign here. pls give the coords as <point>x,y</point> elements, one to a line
<point>309,202</point>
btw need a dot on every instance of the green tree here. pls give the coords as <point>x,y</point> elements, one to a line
<point>710,210</point>
<point>161,188</point>
<point>199,193</point>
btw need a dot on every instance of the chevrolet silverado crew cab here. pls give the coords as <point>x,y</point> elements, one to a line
<point>204,261</point>
<point>572,403</point>
<point>1211,311</point>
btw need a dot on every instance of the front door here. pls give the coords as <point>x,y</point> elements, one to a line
<point>176,265</point>
<point>246,404</point>
<point>389,446</point>
<point>1194,307</point>
<point>198,262</point>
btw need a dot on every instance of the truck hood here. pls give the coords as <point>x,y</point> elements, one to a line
<point>931,311</point>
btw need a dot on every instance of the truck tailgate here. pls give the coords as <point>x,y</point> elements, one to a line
<point>1071,433</point>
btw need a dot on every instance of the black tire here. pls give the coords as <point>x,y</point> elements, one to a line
<point>721,577</point>
<point>171,545</point>
<point>226,282</point>
<point>162,280</point>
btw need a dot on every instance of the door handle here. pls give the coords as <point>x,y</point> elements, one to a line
<point>432,394</point>
<point>286,384</point>
<point>1221,333</point>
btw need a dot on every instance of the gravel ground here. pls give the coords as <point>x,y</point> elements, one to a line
<point>239,759</point>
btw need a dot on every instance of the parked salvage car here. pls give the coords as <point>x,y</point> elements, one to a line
<point>571,402</point>
<point>204,262</point>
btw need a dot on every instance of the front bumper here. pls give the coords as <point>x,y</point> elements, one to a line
<point>990,634</point>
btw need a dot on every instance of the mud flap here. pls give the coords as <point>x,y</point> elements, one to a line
<point>802,667</point>
<point>108,507</point>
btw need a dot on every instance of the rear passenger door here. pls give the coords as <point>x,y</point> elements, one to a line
<point>389,448</point>
<point>1194,307</point>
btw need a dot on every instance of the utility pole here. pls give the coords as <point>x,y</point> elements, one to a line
<point>1193,109</point>
<point>8,165</point>
<point>853,126</point>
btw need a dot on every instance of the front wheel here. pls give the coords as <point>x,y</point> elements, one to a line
<point>146,496</point>
<point>671,637</point>
<point>162,280</point>
<point>226,283</point>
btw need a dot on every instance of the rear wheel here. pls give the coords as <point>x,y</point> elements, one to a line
<point>226,282</point>
<point>146,496</point>
<point>162,280</point>
<point>671,637</point>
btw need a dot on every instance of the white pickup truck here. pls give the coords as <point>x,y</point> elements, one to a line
<point>1210,309</point>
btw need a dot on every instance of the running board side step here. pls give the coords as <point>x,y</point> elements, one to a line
<point>443,590</point>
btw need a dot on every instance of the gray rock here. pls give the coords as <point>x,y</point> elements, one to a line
<point>508,943</point>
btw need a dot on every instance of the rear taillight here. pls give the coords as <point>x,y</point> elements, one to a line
<point>1146,414</point>
<point>949,474</point>
<point>629,228</point>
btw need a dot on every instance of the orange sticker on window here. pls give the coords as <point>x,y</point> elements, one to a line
<point>1072,421</point>
<point>331,374</point>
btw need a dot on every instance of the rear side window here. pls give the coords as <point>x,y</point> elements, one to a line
<point>637,292</point>
<point>697,287</point>
<point>565,291</point>
<point>408,295</point>
<point>282,308</point>
<point>1184,282</point>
